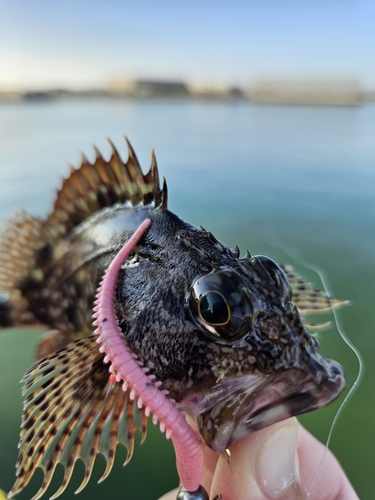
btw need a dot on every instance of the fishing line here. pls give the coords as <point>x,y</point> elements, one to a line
<point>299,259</point>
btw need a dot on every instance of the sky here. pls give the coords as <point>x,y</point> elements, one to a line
<point>85,43</point>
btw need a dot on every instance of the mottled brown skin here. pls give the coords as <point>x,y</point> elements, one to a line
<point>152,294</point>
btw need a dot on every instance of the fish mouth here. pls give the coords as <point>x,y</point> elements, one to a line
<point>237,406</point>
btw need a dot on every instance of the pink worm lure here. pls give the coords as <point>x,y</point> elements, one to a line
<point>188,447</point>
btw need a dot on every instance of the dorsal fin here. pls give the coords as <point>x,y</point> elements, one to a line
<point>103,183</point>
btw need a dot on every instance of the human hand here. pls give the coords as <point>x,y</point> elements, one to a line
<point>283,462</point>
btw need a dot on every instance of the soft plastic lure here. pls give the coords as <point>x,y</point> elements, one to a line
<point>128,369</point>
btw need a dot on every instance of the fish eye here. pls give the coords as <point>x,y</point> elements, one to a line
<point>220,306</point>
<point>213,308</point>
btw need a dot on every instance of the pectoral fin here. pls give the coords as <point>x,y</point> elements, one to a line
<point>308,298</point>
<point>73,410</point>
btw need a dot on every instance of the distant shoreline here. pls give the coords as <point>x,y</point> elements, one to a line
<point>45,98</point>
<point>263,92</point>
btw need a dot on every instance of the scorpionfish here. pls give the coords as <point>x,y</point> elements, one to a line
<point>200,328</point>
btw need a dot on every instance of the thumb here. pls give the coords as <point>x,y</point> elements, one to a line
<point>283,462</point>
<point>263,465</point>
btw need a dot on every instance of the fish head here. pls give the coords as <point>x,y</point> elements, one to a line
<point>265,361</point>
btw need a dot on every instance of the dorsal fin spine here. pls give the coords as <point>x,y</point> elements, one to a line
<point>164,198</point>
<point>155,178</point>
<point>103,183</point>
<point>119,169</point>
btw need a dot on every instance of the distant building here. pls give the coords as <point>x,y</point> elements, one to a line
<point>148,88</point>
<point>306,92</point>
<point>164,88</point>
<point>368,96</point>
<point>155,88</point>
<point>236,93</point>
<point>216,92</point>
<point>36,95</point>
<point>10,96</point>
<point>121,87</point>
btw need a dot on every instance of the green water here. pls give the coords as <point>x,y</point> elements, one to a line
<point>271,179</point>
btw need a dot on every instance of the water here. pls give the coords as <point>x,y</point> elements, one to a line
<point>265,178</point>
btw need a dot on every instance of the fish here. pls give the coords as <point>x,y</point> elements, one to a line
<point>216,335</point>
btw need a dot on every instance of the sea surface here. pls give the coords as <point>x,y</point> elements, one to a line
<point>294,183</point>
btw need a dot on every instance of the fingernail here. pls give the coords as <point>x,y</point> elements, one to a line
<point>277,461</point>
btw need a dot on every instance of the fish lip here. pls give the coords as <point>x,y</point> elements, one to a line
<point>267,399</point>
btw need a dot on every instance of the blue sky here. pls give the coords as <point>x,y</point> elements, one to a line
<point>85,43</point>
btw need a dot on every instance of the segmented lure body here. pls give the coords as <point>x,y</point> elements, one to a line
<point>192,326</point>
<point>189,449</point>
